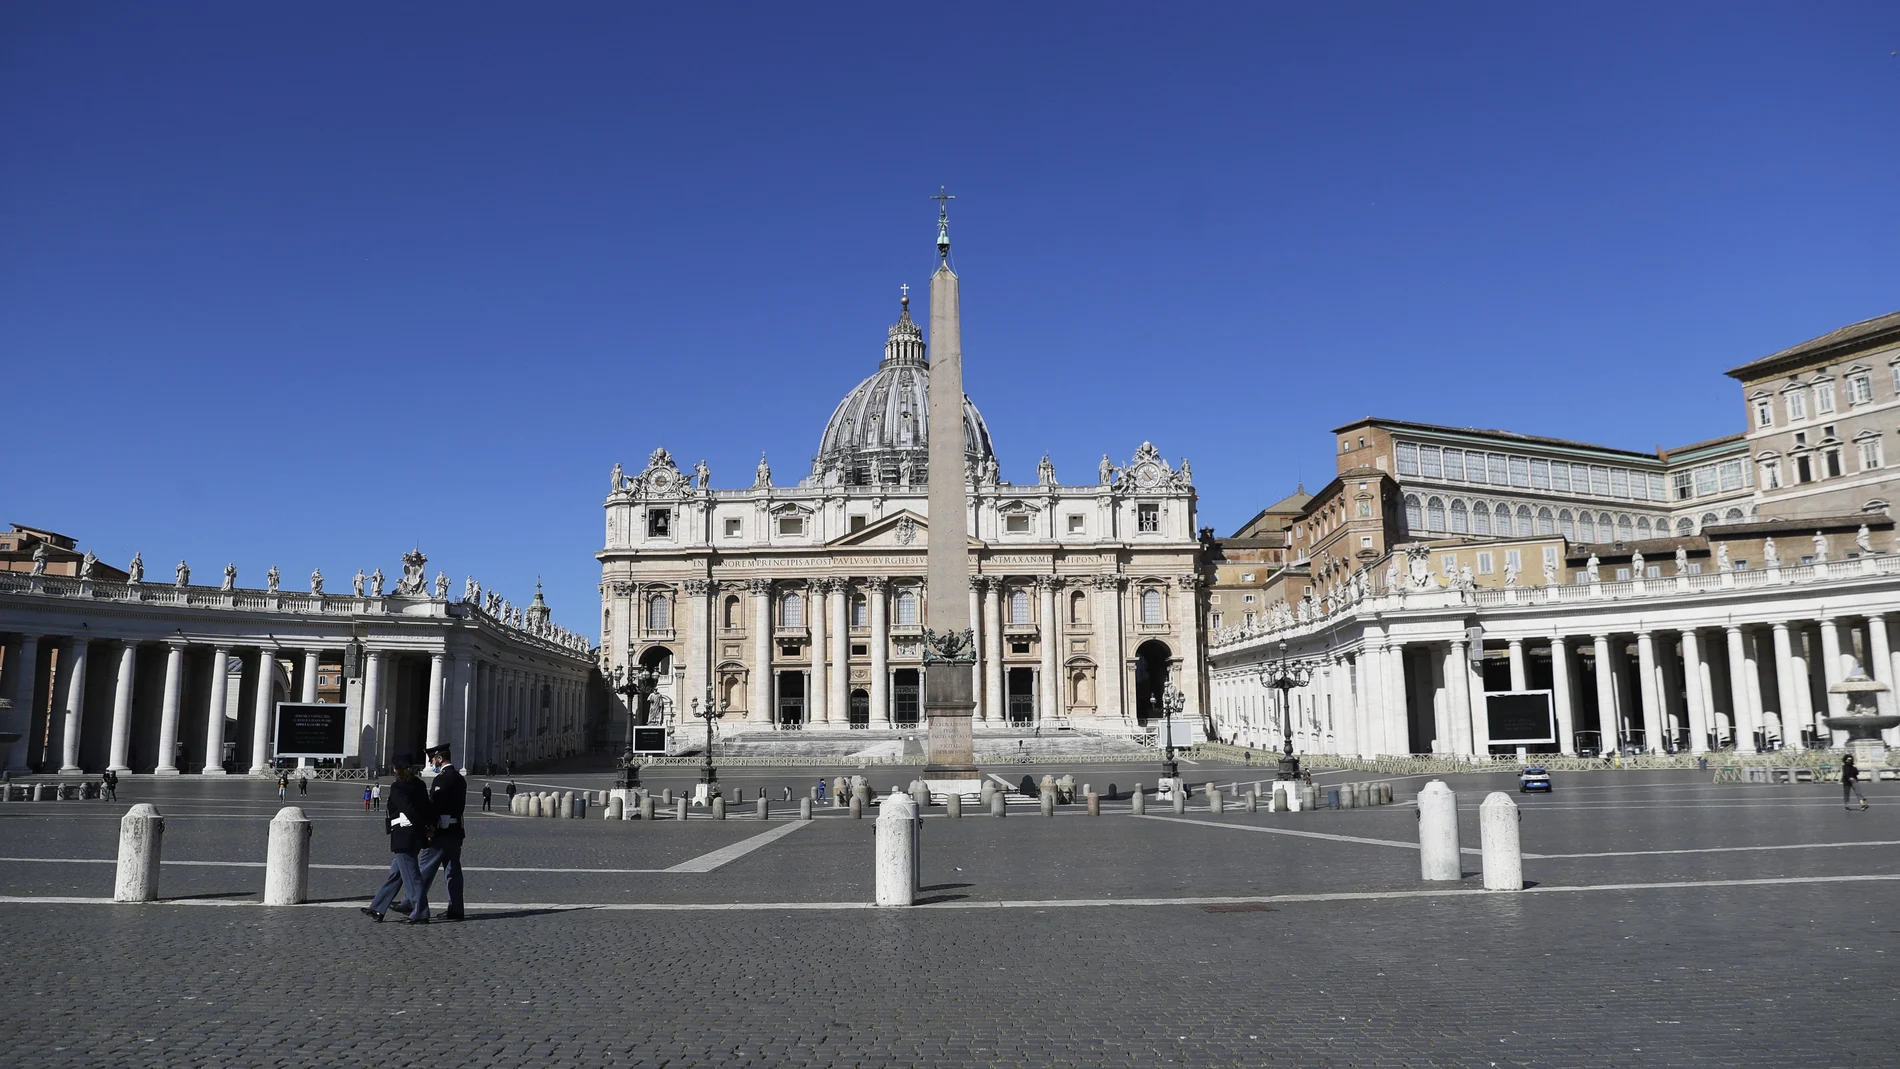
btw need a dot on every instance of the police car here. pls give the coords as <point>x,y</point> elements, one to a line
<point>1534,778</point>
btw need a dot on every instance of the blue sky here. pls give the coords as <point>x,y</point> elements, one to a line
<point>305,285</point>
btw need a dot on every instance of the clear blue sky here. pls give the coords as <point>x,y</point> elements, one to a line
<point>306,284</point>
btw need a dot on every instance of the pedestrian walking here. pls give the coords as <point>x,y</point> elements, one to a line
<point>283,784</point>
<point>488,797</point>
<point>1850,783</point>
<point>366,799</point>
<point>303,786</point>
<point>376,797</point>
<point>821,789</point>
<point>109,785</point>
<point>407,825</point>
<point>511,796</point>
<point>448,796</point>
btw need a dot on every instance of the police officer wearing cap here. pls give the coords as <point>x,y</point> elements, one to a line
<point>448,797</point>
<point>407,819</point>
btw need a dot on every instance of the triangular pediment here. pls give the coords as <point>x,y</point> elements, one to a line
<point>902,529</point>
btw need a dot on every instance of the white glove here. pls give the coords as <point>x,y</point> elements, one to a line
<point>401,820</point>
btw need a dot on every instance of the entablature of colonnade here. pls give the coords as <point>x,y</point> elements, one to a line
<point>1861,586</point>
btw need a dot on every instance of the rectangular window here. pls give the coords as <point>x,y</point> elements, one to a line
<point>1520,471</point>
<point>1247,619</point>
<point>659,523</point>
<point>1896,378</point>
<point>1685,489</point>
<point>1494,465</point>
<point>1860,389</point>
<point>1484,562</point>
<point>1428,462</point>
<point>1656,487</point>
<point>1147,518</point>
<point>1246,577</point>
<point>1455,464</point>
<point>1365,541</point>
<point>1823,397</point>
<point>858,522</point>
<point>1620,482</point>
<point>1695,567</point>
<point>1246,599</point>
<point>1213,621</point>
<point>1705,480</point>
<point>1540,474</point>
<point>1474,467</point>
<point>1870,454</point>
<point>791,525</point>
<point>1550,557</point>
<point>1652,571</point>
<point>1730,473</point>
<point>1559,476</point>
<point>1622,575</point>
<point>1599,480</point>
<point>1513,560</point>
<point>1797,405</point>
<point>1077,525</point>
<point>1407,458</point>
<point>1018,524</point>
<point>1833,463</point>
<point>1765,408</point>
<point>1449,562</point>
<point>1771,474</point>
<point>734,527</point>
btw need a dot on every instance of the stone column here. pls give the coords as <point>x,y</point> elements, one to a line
<point>1831,672</point>
<point>991,707</point>
<point>22,674</point>
<point>1785,684</point>
<point>841,652</point>
<point>1345,714</point>
<point>818,699</point>
<point>1646,688</point>
<point>1757,709</point>
<point>980,635</point>
<point>1562,695</point>
<point>1050,701</point>
<point>1398,716</point>
<point>876,590</point>
<point>1480,710</point>
<point>1695,691</point>
<point>122,708</point>
<point>370,748</point>
<point>214,711</point>
<point>1738,668</point>
<point>437,665</point>
<point>1800,681</point>
<point>1189,603</point>
<point>1372,736</point>
<point>261,720</point>
<point>1111,676</point>
<point>1458,698</point>
<point>1880,665</point>
<point>168,714</point>
<point>1519,677</point>
<point>1609,724</point>
<point>309,687</point>
<point>759,694</point>
<point>75,705</point>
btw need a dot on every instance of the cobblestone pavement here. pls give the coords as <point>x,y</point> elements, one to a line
<point>1622,972</point>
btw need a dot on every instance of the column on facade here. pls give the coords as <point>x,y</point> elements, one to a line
<point>22,672</point>
<point>121,745</point>
<point>437,669</point>
<point>1458,697</point>
<point>979,637</point>
<point>841,652</point>
<point>1346,730</point>
<point>1801,682</point>
<point>1738,668</point>
<point>1880,666</point>
<point>310,659</point>
<point>1480,708</point>
<point>1786,683</point>
<point>1520,679</point>
<point>1647,690</point>
<point>818,701</point>
<point>75,665</point>
<point>369,745</point>
<point>1609,724</point>
<point>262,686</point>
<point>1757,707</point>
<point>1562,694</point>
<point>214,711</point>
<point>876,589</point>
<point>759,693</point>
<point>459,713</point>
<point>1372,733</point>
<point>1397,714</point>
<point>699,638</point>
<point>992,707</point>
<point>1831,672</point>
<point>1675,716</point>
<point>168,712</point>
<point>1188,641</point>
<point>1108,624</point>
<point>1050,703</point>
<point>1695,690</point>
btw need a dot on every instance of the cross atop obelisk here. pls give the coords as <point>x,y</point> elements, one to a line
<point>950,654</point>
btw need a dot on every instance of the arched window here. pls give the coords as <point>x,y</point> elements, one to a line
<point>1606,525</point>
<point>907,608</point>
<point>1546,523</point>
<point>1709,518</point>
<point>1503,521</point>
<point>1460,518</point>
<point>1151,606</point>
<point>860,611</point>
<point>1685,527</point>
<point>791,610</point>
<point>1414,517</point>
<point>1567,524</point>
<point>1523,519</point>
<point>659,613</point>
<point>1642,527</point>
<point>731,618</point>
<point>1481,518</point>
<point>1078,608</point>
<point>1624,531</point>
<point>1435,514</point>
<point>1734,516</point>
<point>1019,606</point>
<point>1586,526</point>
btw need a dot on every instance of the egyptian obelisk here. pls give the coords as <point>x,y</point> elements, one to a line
<point>950,655</point>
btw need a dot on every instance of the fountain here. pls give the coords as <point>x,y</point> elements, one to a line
<point>1863,722</point>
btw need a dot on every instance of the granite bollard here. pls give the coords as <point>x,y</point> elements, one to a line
<point>804,809</point>
<point>897,874</point>
<point>1049,802</point>
<point>616,808</point>
<point>287,859</point>
<point>1438,854</point>
<point>646,808</point>
<point>141,837</point>
<point>679,808</point>
<point>719,807</point>
<point>1095,804</point>
<point>857,808</point>
<point>1180,801</point>
<point>999,804</point>
<point>953,805</point>
<point>1214,803</point>
<point>764,806</point>
<point>1139,801</point>
<point>1498,837</point>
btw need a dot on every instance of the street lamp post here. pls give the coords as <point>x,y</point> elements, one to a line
<point>710,712</point>
<point>635,686</point>
<point>1169,704</point>
<point>1285,675</point>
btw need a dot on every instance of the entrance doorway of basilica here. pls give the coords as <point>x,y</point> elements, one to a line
<point>860,715</point>
<point>906,697</point>
<point>1019,687</point>
<point>1151,676</point>
<point>791,701</point>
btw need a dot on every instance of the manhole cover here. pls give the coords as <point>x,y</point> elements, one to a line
<point>1242,907</point>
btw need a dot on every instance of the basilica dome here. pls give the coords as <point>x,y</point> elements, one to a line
<point>880,432</point>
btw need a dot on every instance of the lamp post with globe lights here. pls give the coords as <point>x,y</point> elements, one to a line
<point>1172,700</point>
<point>709,712</point>
<point>635,687</point>
<point>1285,675</point>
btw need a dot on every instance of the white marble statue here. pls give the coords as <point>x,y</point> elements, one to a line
<point>1392,575</point>
<point>1046,471</point>
<point>904,470</point>
<point>441,586</point>
<point>414,582</point>
<point>1510,574</point>
<point>1465,580</point>
<point>182,573</point>
<point>270,579</point>
<point>230,576</point>
<point>85,565</point>
<point>135,572</point>
<point>1863,541</point>
<point>1105,471</point>
<point>471,590</point>
<point>1593,568</point>
<point>1186,473</point>
<point>1721,557</point>
<point>316,580</point>
<point>992,472</point>
<point>357,582</point>
<point>1770,556</point>
<point>376,581</point>
<point>1550,573</point>
<point>1820,548</point>
<point>1682,561</point>
<point>702,475</point>
<point>618,477</point>
<point>1636,565</point>
<point>39,558</point>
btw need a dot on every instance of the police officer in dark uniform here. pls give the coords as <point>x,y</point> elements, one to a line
<point>408,819</point>
<point>448,797</point>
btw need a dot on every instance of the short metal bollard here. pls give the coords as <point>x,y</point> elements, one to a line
<point>1332,798</point>
<point>999,804</point>
<point>580,806</point>
<point>1095,804</point>
<point>897,874</point>
<point>1438,854</point>
<point>141,837</point>
<point>287,859</point>
<point>1498,836</point>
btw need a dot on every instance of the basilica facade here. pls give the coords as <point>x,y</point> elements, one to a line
<point>802,606</point>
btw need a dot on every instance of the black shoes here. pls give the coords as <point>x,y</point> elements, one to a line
<point>370,913</point>
<point>452,915</point>
<point>417,920</point>
<point>403,907</point>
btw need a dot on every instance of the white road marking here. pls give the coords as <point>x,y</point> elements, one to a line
<point>1283,831</point>
<point>727,854</point>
